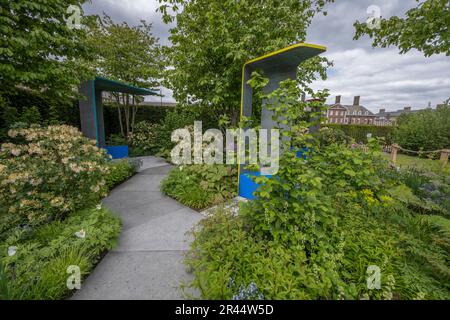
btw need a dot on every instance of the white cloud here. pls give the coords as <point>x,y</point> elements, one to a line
<point>382,77</point>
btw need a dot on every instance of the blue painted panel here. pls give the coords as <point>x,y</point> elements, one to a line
<point>117,152</point>
<point>247,186</point>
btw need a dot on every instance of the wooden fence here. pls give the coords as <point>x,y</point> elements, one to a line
<point>393,150</point>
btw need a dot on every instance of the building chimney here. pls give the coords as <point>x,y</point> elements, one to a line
<point>407,109</point>
<point>356,101</point>
<point>338,100</point>
<point>382,110</point>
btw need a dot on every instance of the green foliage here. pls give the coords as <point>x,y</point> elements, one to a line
<point>313,231</point>
<point>38,269</point>
<point>143,138</point>
<point>181,117</point>
<point>212,40</point>
<point>47,172</point>
<point>426,191</point>
<point>359,132</point>
<point>424,130</point>
<point>201,186</point>
<point>224,252</point>
<point>119,171</point>
<point>424,28</point>
<point>116,139</point>
<point>315,228</point>
<point>31,116</point>
<point>39,49</point>
<point>327,136</point>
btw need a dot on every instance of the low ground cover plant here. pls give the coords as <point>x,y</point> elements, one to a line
<point>121,170</point>
<point>38,269</point>
<point>201,186</point>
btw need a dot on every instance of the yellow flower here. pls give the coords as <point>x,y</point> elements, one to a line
<point>57,202</point>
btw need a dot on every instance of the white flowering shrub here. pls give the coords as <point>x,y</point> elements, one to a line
<point>144,138</point>
<point>47,172</point>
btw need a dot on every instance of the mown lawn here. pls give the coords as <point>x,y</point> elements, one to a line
<point>405,161</point>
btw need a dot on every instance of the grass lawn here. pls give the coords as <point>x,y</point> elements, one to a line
<point>405,161</point>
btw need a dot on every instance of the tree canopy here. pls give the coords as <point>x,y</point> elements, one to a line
<point>39,50</point>
<point>425,28</point>
<point>213,38</point>
<point>126,53</point>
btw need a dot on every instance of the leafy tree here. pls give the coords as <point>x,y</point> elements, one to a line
<point>213,38</point>
<point>425,28</point>
<point>426,129</point>
<point>39,49</point>
<point>126,53</point>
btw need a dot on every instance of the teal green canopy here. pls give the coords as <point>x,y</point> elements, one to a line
<point>91,108</point>
<point>104,84</point>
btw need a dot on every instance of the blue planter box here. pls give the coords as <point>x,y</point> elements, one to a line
<point>117,152</point>
<point>247,186</point>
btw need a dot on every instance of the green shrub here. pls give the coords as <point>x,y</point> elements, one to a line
<point>38,269</point>
<point>178,118</point>
<point>424,130</point>
<point>359,132</point>
<point>117,139</point>
<point>315,228</point>
<point>313,231</point>
<point>143,138</point>
<point>327,136</point>
<point>225,257</point>
<point>48,172</point>
<point>119,171</point>
<point>200,186</point>
<point>31,116</point>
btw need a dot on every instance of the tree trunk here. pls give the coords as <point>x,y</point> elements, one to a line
<point>126,101</point>
<point>134,111</point>
<point>117,96</point>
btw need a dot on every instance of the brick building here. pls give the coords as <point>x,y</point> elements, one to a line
<point>349,114</point>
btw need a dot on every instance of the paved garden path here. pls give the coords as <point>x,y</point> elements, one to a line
<point>148,261</point>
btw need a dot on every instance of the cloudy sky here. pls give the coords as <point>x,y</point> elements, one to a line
<point>382,77</point>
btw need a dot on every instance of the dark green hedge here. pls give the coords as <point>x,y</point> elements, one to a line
<point>359,132</point>
<point>28,107</point>
<point>153,114</point>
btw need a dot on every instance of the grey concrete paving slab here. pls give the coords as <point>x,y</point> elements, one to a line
<point>125,201</point>
<point>151,162</point>
<point>141,182</point>
<point>139,275</point>
<point>148,261</point>
<point>141,214</point>
<point>163,232</point>
<point>157,170</point>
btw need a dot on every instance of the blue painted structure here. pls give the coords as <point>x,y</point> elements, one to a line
<point>91,106</point>
<point>117,152</point>
<point>246,184</point>
<point>276,66</point>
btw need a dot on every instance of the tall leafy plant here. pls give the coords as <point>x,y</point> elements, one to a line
<point>212,40</point>
<point>130,54</point>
